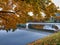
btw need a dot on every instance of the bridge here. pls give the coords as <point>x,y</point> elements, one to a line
<point>27,24</point>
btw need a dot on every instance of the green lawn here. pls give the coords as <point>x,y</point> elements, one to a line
<point>53,39</point>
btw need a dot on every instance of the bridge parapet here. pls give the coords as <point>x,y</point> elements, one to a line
<point>27,24</point>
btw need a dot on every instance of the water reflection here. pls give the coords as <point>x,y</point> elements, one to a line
<point>8,30</point>
<point>20,36</point>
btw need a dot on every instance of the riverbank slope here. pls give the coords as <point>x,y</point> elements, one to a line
<point>53,39</point>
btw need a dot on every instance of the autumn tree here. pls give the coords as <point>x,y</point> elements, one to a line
<point>15,12</point>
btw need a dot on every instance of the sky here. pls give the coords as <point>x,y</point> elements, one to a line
<point>56,2</point>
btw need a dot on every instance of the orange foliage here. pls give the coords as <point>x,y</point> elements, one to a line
<point>20,11</point>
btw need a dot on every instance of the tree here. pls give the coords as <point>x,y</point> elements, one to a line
<point>16,11</point>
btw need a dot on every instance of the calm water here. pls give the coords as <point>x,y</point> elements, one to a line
<point>20,36</point>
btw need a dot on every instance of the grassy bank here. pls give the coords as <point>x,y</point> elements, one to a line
<point>53,39</point>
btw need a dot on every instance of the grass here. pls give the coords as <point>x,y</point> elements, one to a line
<point>53,39</point>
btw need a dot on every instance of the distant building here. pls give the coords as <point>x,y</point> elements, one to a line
<point>56,19</point>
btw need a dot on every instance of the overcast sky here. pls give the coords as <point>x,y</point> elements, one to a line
<point>57,2</point>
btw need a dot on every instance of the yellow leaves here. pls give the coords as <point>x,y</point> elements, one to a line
<point>21,8</point>
<point>10,22</point>
<point>52,8</point>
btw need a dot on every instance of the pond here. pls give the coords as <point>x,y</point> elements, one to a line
<point>21,36</point>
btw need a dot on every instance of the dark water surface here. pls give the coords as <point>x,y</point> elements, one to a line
<point>21,36</point>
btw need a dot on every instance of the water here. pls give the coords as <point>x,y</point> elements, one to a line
<point>21,36</point>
